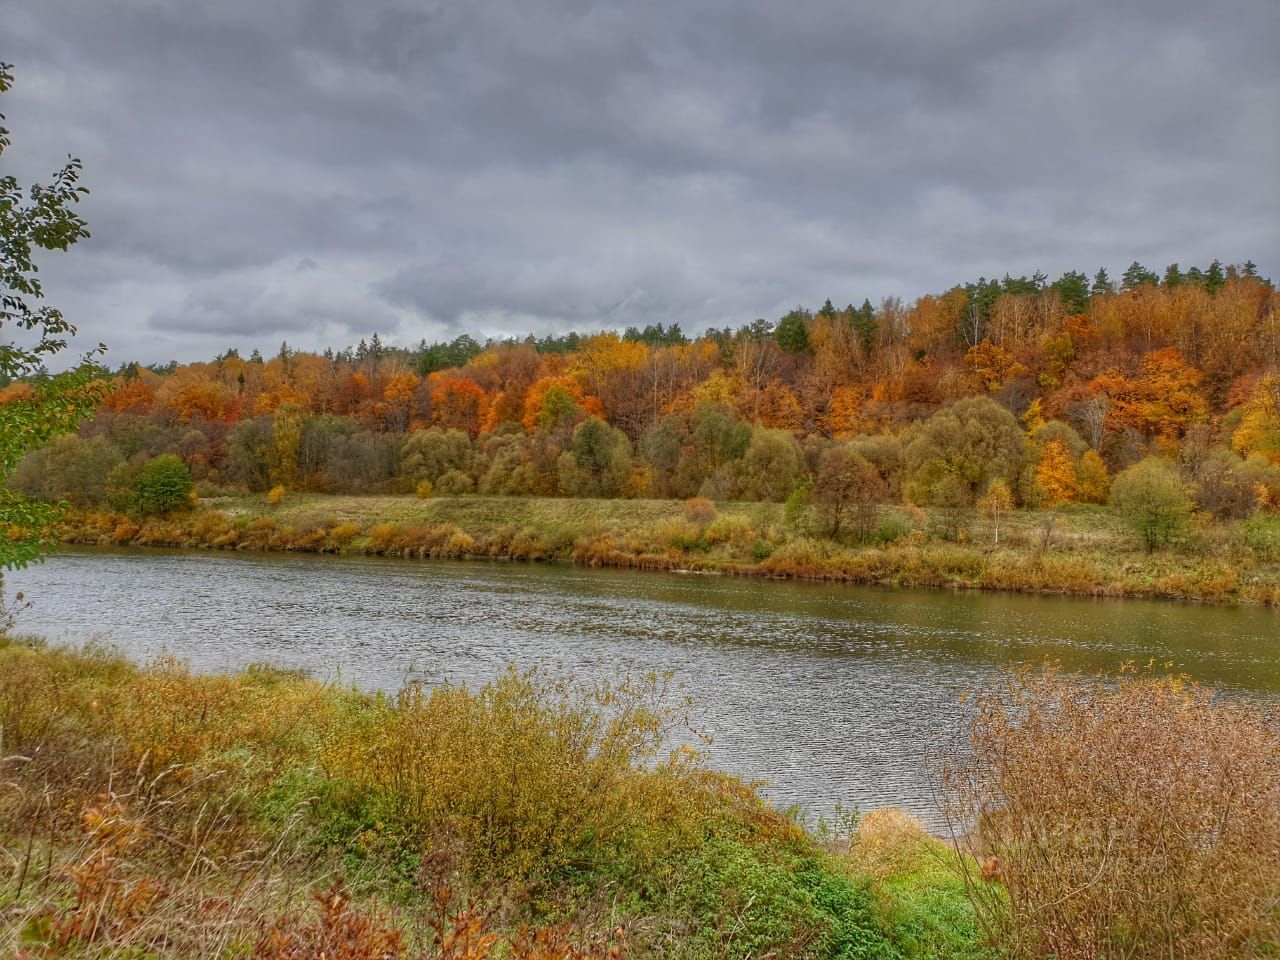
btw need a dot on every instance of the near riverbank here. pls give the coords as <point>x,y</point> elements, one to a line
<point>1082,550</point>
<point>150,811</point>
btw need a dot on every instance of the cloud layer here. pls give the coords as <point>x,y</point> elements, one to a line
<point>316,170</point>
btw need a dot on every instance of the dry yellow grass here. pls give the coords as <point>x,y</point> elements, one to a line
<point>1080,550</point>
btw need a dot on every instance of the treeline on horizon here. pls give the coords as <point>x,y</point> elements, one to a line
<point>1081,379</point>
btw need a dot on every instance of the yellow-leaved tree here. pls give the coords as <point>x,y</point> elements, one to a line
<point>1092,483</point>
<point>1259,430</point>
<point>1056,475</point>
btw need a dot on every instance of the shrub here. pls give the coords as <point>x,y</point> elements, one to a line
<point>1151,498</point>
<point>209,525</point>
<point>454,483</point>
<point>382,536</point>
<point>344,533</point>
<point>699,510</point>
<point>797,503</point>
<point>423,490</point>
<point>460,544</point>
<point>441,824</point>
<point>69,468</point>
<point>675,534</point>
<point>528,774</point>
<point>889,842</point>
<point>163,485</point>
<point>780,907</point>
<point>125,531</point>
<point>889,530</point>
<point>1222,487</point>
<point>339,933</point>
<point>733,529</point>
<point>1136,819</point>
<point>275,495</point>
<point>952,509</point>
<point>1263,477</point>
<point>120,490</point>
<point>886,453</point>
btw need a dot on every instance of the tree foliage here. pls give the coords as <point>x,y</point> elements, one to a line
<point>43,218</point>
<point>599,461</point>
<point>847,490</point>
<point>967,445</point>
<point>770,466</point>
<point>1056,481</point>
<point>430,454</point>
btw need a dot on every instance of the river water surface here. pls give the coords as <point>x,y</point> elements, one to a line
<point>832,694</point>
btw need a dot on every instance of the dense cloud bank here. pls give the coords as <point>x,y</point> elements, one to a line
<point>315,171</point>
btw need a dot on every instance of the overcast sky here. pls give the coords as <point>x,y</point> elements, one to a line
<point>317,170</point>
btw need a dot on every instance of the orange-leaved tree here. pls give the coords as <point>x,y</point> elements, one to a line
<point>459,403</point>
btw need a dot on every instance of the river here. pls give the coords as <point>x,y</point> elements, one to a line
<point>830,693</point>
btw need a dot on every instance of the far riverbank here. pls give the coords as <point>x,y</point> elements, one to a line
<point>1081,551</point>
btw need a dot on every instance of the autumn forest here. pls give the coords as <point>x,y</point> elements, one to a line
<point>1077,436</point>
<point>1097,375</point>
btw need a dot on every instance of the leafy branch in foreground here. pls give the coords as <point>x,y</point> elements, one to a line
<point>44,218</point>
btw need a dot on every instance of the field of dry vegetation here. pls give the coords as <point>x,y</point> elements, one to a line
<point>150,812</point>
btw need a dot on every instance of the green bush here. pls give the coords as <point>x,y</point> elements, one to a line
<point>454,483</point>
<point>890,530</point>
<point>1152,499</point>
<point>162,485</point>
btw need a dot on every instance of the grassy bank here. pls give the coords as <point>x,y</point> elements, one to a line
<point>1079,550</point>
<point>150,812</point>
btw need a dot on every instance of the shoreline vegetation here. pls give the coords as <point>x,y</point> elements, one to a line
<point>147,811</point>
<point>1081,550</point>
<point>154,810</point>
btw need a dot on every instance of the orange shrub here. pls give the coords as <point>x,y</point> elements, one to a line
<point>699,510</point>
<point>344,533</point>
<point>1134,819</point>
<point>125,531</point>
<point>382,536</point>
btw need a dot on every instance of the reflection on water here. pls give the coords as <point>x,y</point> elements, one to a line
<point>830,693</point>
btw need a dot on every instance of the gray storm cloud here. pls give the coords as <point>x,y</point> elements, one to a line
<point>501,167</point>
